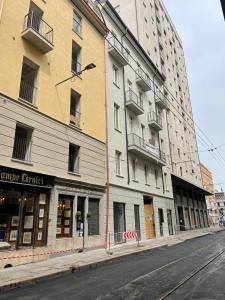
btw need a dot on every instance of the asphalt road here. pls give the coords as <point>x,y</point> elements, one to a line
<point>149,276</point>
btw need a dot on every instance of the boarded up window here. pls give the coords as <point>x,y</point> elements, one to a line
<point>93,220</point>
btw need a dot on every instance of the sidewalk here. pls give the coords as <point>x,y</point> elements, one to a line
<point>59,266</point>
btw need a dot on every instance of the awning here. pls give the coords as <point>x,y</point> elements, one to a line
<point>189,185</point>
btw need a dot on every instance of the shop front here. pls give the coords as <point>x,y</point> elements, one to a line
<point>24,208</point>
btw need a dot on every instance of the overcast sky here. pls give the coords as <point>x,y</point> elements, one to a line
<point>201,27</point>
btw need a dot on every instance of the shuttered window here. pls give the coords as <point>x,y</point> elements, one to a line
<point>93,220</point>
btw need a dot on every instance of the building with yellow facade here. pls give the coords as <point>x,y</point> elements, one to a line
<point>52,130</point>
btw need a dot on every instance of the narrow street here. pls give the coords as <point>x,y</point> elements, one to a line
<point>150,275</point>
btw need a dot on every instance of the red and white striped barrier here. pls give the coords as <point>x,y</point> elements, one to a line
<point>130,235</point>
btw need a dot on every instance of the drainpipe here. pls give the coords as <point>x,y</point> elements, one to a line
<point>107,157</point>
<point>1,9</point>
<point>156,72</point>
<point>125,116</point>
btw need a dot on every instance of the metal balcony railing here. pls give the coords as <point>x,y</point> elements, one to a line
<point>22,148</point>
<point>75,119</point>
<point>160,98</point>
<point>143,79</point>
<point>36,23</point>
<point>27,91</point>
<point>133,97</point>
<point>114,43</point>
<point>154,117</point>
<point>76,66</point>
<point>151,150</point>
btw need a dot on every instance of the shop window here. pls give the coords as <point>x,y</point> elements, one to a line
<point>73,165</point>
<point>64,217</point>
<point>23,218</point>
<point>22,143</point>
<point>93,216</point>
<point>80,216</point>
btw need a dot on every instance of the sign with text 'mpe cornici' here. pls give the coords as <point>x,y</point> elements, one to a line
<point>9,175</point>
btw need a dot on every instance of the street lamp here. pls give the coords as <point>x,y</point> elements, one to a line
<point>88,67</point>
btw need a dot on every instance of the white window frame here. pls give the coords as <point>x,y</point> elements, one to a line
<point>116,75</point>
<point>118,156</point>
<point>117,117</point>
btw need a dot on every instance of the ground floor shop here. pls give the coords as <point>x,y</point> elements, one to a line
<point>150,216</point>
<point>77,216</point>
<point>190,205</point>
<point>41,215</point>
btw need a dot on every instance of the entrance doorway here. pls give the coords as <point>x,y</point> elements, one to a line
<point>137,221</point>
<point>149,218</point>
<point>170,222</point>
<point>181,218</point>
<point>119,221</point>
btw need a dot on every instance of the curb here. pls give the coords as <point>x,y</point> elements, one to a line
<point>74,268</point>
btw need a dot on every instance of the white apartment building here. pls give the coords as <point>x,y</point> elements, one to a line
<point>151,24</point>
<point>140,187</point>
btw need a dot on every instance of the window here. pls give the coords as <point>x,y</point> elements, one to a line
<point>77,23</point>
<point>116,116</point>
<point>181,171</point>
<point>119,221</point>
<point>156,178</point>
<point>76,66</point>
<point>115,75</point>
<point>80,216</point>
<point>166,181</point>
<point>22,143</point>
<point>93,216</point>
<point>75,108</point>
<point>134,171</point>
<point>118,163</point>
<point>146,168</point>
<point>64,216</point>
<point>178,151</point>
<point>73,165</point>
<point>143,131</point>
<point>28,81</point>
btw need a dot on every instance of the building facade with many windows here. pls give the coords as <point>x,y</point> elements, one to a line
<point>140,189</point>
<point>52,131</point>
<point>212,207</point>
<point>151,24</point>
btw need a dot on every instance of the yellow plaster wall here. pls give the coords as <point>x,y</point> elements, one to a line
<point>55,65</point>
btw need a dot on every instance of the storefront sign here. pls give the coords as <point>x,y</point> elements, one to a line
<point>23,177</point>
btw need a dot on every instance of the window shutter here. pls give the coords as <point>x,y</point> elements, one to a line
<point>93,221</point>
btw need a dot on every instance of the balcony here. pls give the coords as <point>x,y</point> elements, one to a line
<point>143,80</point>
<point>117,51</point>
<point>38,32</point>
<point>161,100</point>
<point>75,119</point>
<point>134,103</point>
<point>155,121</point>
<point>140,147</point>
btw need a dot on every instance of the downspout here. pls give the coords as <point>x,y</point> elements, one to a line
<point>125,117</point>
<point>1,9</point>
<point>136,16</point>
<point>163,185</point>
<point>107,157</point>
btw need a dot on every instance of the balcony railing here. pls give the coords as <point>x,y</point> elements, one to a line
<point>37,31</point>
<point>143,79</point>
<point>21,149</point>
<point>76,66</point>
<point>155,120</point>
<point>161,100</point>
<point>75,119</point>
<point>134,102</point>
<point>139,145</point>
<point>28,92</point>
<point>118,51</point>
